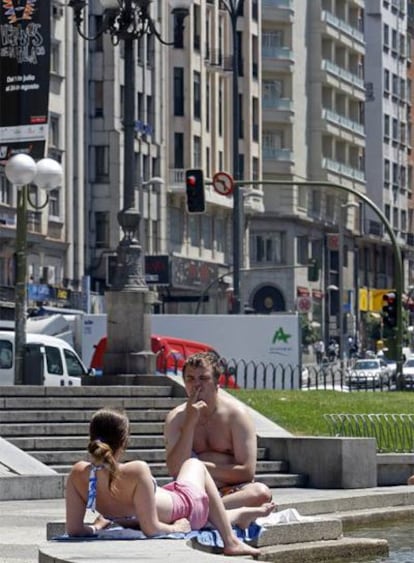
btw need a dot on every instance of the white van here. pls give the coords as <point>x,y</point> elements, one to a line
<point>48,361</point>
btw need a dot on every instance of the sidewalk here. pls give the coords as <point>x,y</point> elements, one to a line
<point>23,526</point>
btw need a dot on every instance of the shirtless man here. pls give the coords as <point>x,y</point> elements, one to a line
<point>217,429</point>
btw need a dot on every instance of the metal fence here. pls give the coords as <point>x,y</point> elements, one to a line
<point>260,375</point>
<point>393,432</point>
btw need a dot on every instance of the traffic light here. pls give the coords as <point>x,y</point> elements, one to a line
<point>313,270</point>
<point>389,310</point>
<point>194,185</point>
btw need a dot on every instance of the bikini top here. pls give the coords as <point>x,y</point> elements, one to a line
<point>91,502</point>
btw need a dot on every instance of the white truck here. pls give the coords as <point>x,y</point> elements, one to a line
<point>48,361</point>
<point>265,347</point>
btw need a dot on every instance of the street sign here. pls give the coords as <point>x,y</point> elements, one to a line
<point>223,183</point>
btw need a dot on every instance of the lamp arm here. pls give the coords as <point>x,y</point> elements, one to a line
<point>37,207</point>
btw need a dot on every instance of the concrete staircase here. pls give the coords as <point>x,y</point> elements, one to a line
<point>51,425</point>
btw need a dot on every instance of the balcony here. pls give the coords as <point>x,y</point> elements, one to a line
<point>280,4</point>
<point>343,169</point>
<point>343,74</point>
<point>272,153</point>
<point>342,121</point>
<point>281,53</point>
<point>176,182</point>
<point>278,11</point>
<point>280,104</point>
<point>342,26</point>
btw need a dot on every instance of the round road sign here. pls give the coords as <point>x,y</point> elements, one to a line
<point>223,183</point>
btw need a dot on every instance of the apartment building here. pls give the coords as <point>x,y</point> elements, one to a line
<point>200,136</point>
<point>387,116</point>
<point>313,95</point>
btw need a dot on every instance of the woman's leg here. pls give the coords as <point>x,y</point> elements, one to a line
<point>195,472</point>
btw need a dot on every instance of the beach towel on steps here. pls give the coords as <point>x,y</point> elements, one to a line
<point>206,536</point>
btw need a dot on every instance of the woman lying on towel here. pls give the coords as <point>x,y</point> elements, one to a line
<point>127,493</point>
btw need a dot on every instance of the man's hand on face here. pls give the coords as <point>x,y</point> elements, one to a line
<point>195,406</point>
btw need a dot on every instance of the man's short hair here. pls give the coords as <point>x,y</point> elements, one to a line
<point>205,359</point>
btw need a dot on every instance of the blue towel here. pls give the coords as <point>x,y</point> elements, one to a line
<point>207,536</point>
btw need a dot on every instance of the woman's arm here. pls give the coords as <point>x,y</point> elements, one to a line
<point>76,507</point>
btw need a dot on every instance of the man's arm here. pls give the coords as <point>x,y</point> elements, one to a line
<point>242,468</point>
<point>178,438</point>
<point>179,433</point>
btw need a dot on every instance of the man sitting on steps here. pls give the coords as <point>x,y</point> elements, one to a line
<point>218,430</point>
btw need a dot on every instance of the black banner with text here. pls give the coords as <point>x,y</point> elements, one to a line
<point>24,76</point>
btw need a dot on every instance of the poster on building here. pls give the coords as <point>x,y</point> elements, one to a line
<point>24,76</point>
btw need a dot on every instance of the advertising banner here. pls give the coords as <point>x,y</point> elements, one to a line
<point>24,76</point>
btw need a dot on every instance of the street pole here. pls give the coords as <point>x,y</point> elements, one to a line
<point>21,288</point>
<point>234,10</point>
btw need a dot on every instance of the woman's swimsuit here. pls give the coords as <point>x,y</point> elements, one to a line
<point>188,501</point>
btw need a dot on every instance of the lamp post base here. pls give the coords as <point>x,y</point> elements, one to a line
<point>129,333</point>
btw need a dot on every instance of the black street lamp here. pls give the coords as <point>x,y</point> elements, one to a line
<point>235,9</point>
<point>128,304</point>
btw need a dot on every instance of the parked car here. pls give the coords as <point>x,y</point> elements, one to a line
<point>371,372</point>
<point>408,373</point>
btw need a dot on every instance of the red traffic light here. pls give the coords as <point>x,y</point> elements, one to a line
<point>389,298</point>
<point>191,181</point>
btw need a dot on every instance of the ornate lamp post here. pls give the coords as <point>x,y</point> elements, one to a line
<point>128,305</point>
<point>22,170</point>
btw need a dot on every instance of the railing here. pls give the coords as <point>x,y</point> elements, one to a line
<point>343,74</point>
<point>271,153</point>
<point>284,53</point>
<point>343,121</point>
<point>283,104</point>
<point>343,169</point>
<point>393,432</point>
<point>343,26</point>
<point>260,375</point>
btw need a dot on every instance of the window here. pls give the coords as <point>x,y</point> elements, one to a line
<point>73,364</point>
<point>386,126</point>
<point>386,170</point>
<point>178,91</point>
<point>6,354</point>
<point>176,226</point>
<point>98,98</point>
<point>197,95</point>
<point>101,229</point>
<point>386,80</point>
<point>395,85</point>
<point>5,189</point>
<point>330,206</point>
<point>395,178</point>
<point>54,360</point>
<point>194,230</point>
<point>208,106</point>
<point>54,203</point>
<point>219,234</point>
<point>197,151</point>
<point>206,231</point>
<point>302,250</point>
<point>394,44</point>
<point>394,129</point>
<point>268,248</point>
<point>178,150</point>
<point>55,57</point>
<point>54,131</point>
<point>272,89</point>
<point>386,35</point>
<point>101,163</point>
<point>220,110</point>
<point>316,202</point>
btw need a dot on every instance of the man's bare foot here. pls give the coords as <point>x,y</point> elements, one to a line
<point>237,547</point>
<point>249,514</point>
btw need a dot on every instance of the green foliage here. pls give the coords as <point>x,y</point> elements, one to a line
<point>301,412</point>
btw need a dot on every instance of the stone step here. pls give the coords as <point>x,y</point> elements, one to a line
<point>285,480</point>
<point>57,403</point>
<point>62,429</point>
<point>341,549</point>
<point>79,443</point>
<point>69,457</point>
<point>72,416</point>
<point>164,390</point>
